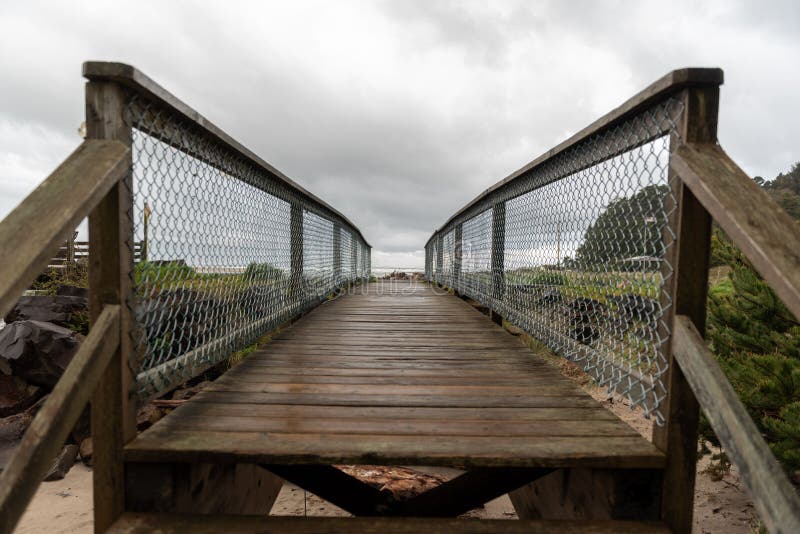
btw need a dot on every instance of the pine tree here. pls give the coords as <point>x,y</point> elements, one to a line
<point>757,341</point>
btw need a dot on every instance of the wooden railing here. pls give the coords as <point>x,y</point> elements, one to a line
<point>27,242</point>
<point>708,186</point>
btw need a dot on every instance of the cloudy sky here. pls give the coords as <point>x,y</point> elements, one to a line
<point>397,112</point>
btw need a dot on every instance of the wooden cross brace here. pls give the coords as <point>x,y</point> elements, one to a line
<point>455,497</point>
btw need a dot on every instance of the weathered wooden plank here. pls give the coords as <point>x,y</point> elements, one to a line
<point>28,240</point>
<point>200,488</point>
<point>437,414</point>
<point>474,401</point>
<point>131,523</point>
<point>161,444</point>
<point>768,236</point>
<point>775,499</point>
<point>56,418</point>
<point>315,425</point>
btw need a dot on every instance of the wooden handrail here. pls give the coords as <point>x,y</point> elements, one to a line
<point>775,499</point>
<point>30,235</point>
<point>665,86</point>
<point>767,235</point>
<point>54,421</point>
<point>139,83</point>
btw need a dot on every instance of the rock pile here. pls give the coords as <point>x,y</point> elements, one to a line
<point>40,338</point>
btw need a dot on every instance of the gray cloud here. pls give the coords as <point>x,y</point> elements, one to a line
<point>396,112</point>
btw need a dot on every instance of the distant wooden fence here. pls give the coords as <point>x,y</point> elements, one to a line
<point>74,251</point>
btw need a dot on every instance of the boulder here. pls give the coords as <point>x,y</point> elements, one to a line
<point>86,451</point>
<point>16,395</point>
<point>63,463</point>
<point>63,310</point>
<point>37,352</point>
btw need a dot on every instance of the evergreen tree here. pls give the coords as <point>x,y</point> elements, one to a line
<point>757,340</point>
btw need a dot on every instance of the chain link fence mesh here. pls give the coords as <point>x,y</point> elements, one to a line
<point>229,250</point>
<point>574,251</point>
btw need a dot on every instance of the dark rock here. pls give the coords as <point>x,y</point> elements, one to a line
<point>63,310</point>
<point>83,426</point>
<point>188,393</point>
<point>63,463</point>
<point>86,451</point>
<point>16,395</point>
<point>550,296</point>
<point>37,352</point>
<point>73,291</point>
<point>14,426</point>
<point>147,416</point>
<point>584,316</point>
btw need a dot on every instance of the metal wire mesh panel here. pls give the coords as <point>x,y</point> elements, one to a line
<point>229,252</point>
<point>574,252</point>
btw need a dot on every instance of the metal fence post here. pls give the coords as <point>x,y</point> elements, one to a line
<point>296,255</point>
<point>437,273</point>
<point>353,257</point>
<point>688,287</point>
<point>498,260</point>
<point>337,253</point>
<point>111,282</point>
<point>457,254</point>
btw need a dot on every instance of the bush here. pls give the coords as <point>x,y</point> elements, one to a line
<point>263,271</point>
<point>549,279</point>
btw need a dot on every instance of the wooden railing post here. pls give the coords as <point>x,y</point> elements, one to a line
<point>353,256</point>
<point>688,288</point>
<point>437,272</point>
<point>111,282</point>
<point>457,254</point>
<point>498,259</point>
<point>295,254</point>
<point>337,253</point>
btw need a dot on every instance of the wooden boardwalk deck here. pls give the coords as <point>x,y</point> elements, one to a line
<point>395,375</point>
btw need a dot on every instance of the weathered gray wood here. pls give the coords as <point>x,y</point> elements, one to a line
<point>30,235</point>
<point>460,391</point>
<point>200,488</point>
<point>179,524</point>
<point>590,494</point>
<point>767,235</point>
<point>56,418</point>
<point>773,495</point>
<point>669,84</point>
<point>110,282</point>
<point>685,293</point>
<point>139,83</point>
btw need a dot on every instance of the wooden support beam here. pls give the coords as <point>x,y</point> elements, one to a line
<point>591,494</point>
<point>468,491</point>
<point>200,488</point>
<point>685,293</point>
<point>295,254</point>
<point>111,282</point>
<point>337,487</point>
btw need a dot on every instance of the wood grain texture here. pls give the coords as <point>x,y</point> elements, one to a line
<point>767,235</point>
<point>773,495</point>
<point>56,418</point>
<point>111,282</point>
<point>131,523</point>
<point>461,391</point>
<point>32,233</point>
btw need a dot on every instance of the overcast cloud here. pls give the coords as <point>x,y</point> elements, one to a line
<point>397,112</point>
